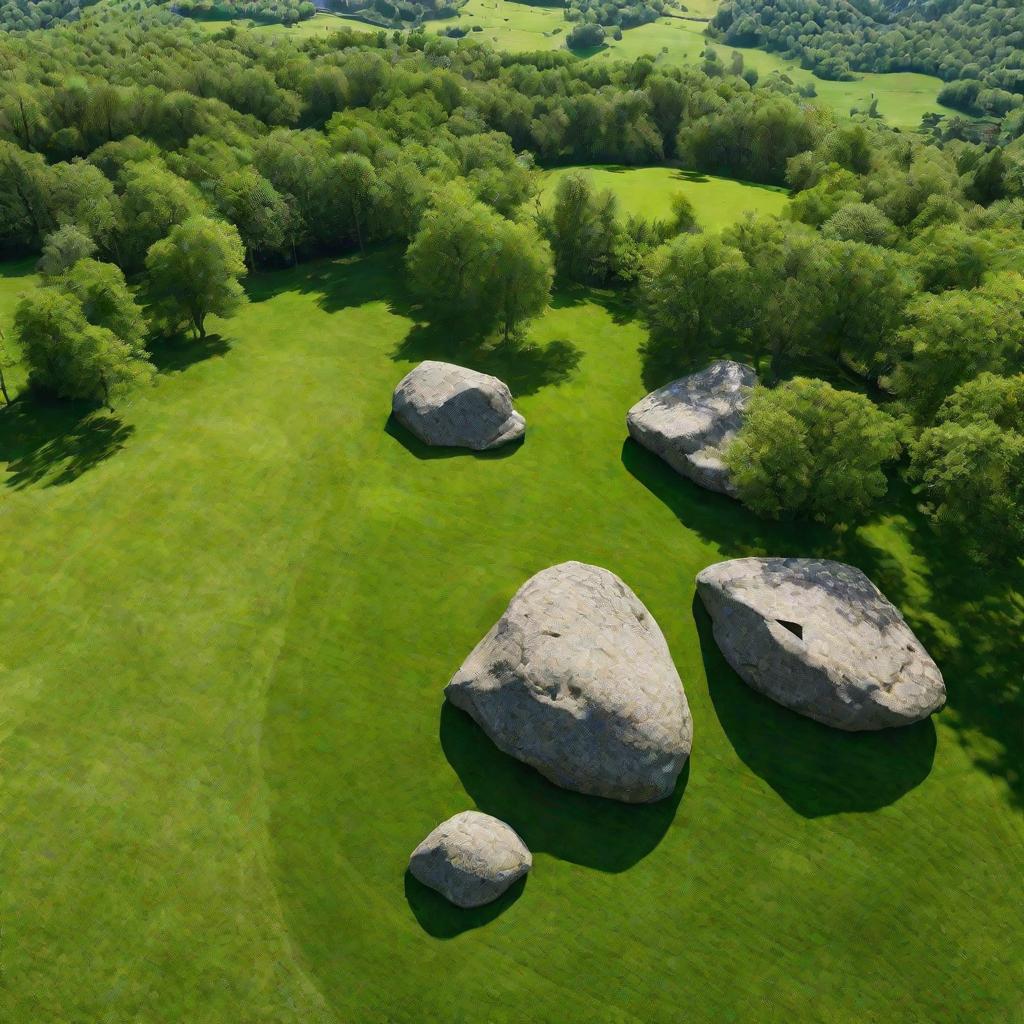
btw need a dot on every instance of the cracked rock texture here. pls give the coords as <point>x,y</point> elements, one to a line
<point>452,406</point>
<point>821,639</point>
<point>471,859</point>
<point>576,680</point>
<point>691,421</point>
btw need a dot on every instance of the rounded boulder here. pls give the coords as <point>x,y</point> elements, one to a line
<point>470,859</point>
<point>454,407</point>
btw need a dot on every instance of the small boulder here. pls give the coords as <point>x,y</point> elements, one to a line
<point>576,680</point>
<point>690,422</point>
<point>470,859</point>
<point>820,638</point>
<point>452,406</point>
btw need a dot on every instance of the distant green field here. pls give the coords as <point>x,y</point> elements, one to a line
<point>229,612</point>
<point>647,191</point>
<point>319,24</point>
<point>903,98</point>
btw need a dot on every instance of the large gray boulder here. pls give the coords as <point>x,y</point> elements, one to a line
<point>452,406</point>
<point>576,680</point>
<point>819,637</point>
<point>691,421</point>
<point>471,859</point>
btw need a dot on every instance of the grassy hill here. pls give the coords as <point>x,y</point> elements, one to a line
<point>239,598</point>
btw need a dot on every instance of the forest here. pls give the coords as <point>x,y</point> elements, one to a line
<point>974,45</point>
<point>123,150</point>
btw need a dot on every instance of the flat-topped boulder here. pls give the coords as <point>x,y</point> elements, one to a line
<point>821,639</point>
<point>576,679</point>
<point>471,859</point>
<point>455,407</point>
<point>690,422</point>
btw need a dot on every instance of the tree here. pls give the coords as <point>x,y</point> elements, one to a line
<point>63,248</point>
<point>582,228</point>
<point>71,357</point>
<point>947,256</point>
<point>355,183</point>
<point>806,449</point>
<point>449,258</point>
<point>861,222</point>
<point>471,262</point>
<point>106,300</point>
<point>195,271</point>
<point>154,201</point>
<point>691,289</point>
<point>256,208</point>
<point>970,465</point>
<point>954,336</point>
<point>522,274</point>
<point>26,183</point>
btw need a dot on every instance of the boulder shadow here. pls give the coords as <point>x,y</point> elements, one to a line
<point>442,919</point>
<point>603,834</point>
<point>412,444</point>
<point>816,769</point>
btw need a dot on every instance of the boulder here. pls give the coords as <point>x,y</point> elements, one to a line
<point>470,859</point>
<point>819,638</point>
<point>451,406</point>
<point>576,680</point>
<point>691,421</point>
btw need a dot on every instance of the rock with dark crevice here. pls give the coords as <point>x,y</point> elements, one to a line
<point>821,639</point>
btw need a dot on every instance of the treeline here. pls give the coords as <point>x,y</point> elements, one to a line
<point>614,13</point>
<point>399,13</point>
<point>150,166</point>
<point>978,42</point>
<point>285,12</point>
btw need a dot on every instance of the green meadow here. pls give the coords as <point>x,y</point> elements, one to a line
<point>647,192</point>
<point>232,606</point>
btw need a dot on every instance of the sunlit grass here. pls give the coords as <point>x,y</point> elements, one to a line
<point>229,612</point>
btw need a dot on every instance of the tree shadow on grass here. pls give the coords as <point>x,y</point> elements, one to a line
<point>444,920</point>
<point>172,355</point>
<point>412,444</point>
<point>55,442</point>
<point>524,367</point>
<point>815,769</point>
<point>603,834</point>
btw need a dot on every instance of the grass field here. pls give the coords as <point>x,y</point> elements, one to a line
<point>229,612</point>
<point>647,192</point>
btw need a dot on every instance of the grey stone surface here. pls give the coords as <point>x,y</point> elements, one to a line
<point>820,638</point>
<point>576,680</point>
<point>452,406</point>
<point>690,422</point>
<point>471,859</point>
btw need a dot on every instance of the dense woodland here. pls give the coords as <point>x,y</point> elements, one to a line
<point>285,12</point>
<point>25,15</point>
<point>975,45</point>
<point>150,167</point>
